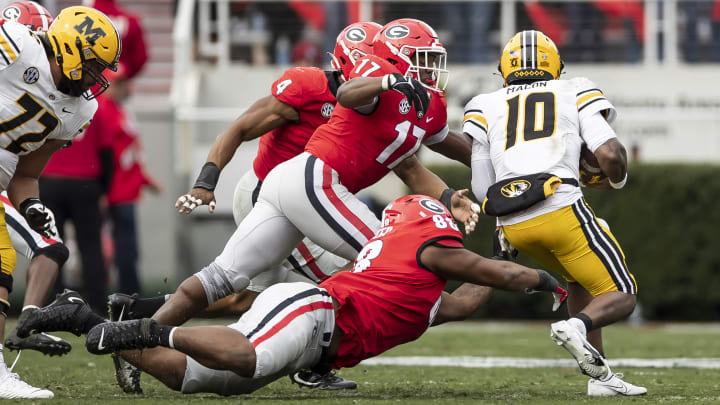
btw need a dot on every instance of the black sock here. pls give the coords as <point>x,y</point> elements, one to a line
<point>146,307</point>
<point>164,332</point>
<point>93,319</point>
<point>585,320</point>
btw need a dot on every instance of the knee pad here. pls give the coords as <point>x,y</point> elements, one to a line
<point>219,283</point>
<point>57,252</point>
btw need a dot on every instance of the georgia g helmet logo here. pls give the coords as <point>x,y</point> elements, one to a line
<point>432,206</point>
<point>355,34</point>
<point>11,13</point>
<point>397,31</point>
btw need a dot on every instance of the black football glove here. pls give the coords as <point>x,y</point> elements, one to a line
<point>412,89</point>
<point>39,217</point>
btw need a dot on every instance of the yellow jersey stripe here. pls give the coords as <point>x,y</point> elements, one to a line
<point>7,46</point>
<point>476,117</point>
<point>587,97</point>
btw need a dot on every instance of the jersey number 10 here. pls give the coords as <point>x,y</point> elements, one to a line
<point>539,118</point>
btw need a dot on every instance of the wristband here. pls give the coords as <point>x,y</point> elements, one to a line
<point>619,184</point>
<point>386,82</point>
<point>546,282</point>
<point>446,197</point>
<point>208,177</point>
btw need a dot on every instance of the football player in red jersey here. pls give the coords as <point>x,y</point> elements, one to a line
<point>392,295</point>
<point>312,193</point>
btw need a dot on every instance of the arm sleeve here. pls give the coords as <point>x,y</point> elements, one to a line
<point>474,121</point>
<point>437,137</point>
<point>595,131</point>
<point>590,100</point>
<point>11,43</point>
<point>483,175</point>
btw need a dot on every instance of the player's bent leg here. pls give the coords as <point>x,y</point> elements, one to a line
<point>186,302</point>
<point>166,365</point>
<point>320,206</point>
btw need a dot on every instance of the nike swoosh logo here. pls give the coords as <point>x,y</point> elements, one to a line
<point>428,119</point>
<point>102,336</point>
<point>55,338</point>
<point>618,388</point>
<point>65,110</point>
<point>76,299</point>
<point>122,311</point>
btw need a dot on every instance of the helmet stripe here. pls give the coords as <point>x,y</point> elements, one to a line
<point>43,16</point>
<point>534,48</point>
<point>522,50</point>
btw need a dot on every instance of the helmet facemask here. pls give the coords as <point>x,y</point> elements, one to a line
<point>432,62</point>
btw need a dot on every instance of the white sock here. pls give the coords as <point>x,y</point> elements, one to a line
<point>30,307</point>
<point>579,325</point>
<point>170,338</point>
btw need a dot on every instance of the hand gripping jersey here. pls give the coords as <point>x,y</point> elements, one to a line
<point>32,109</point>
<point>538,127</point>
<point>363,148</point>
<point>311,91</point>
<point>389,298</point>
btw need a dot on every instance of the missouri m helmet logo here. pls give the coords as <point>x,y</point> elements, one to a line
<point>355,34</point>
<point>397,32</point>
<point>91,34</point>
<point>515,188</point>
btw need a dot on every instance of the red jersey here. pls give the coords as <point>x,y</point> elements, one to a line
<point>82,159</point>
<point>363,148</point>
<point>390,298</point>
<point>311,91</point>
<point>128,173</point>
<point>134,50</point>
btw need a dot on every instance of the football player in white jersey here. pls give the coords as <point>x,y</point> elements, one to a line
<point>49,82</point>
<point>537,124</point>
<point>46,255</point>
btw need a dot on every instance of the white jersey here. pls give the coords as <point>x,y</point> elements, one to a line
<point>537,127</point>
<point>32,109</point>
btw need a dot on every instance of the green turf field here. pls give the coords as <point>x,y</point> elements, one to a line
<point>82,377</point>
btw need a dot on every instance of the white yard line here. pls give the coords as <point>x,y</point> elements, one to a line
<point>527,362</point>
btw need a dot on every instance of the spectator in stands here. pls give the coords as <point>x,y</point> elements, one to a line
<point>129,176</point>
<point>134,51</point>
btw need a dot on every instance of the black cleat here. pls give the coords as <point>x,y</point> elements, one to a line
<point>120,306</point>
<point>328,381</point>
<point>127,375</point>
<point>68,313</point>
<point>46,344</point>
<point>112,337</point>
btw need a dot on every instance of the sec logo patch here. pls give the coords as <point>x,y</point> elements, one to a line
<point>327,110</point>
<point>404,106</point>
<point>31,75</point>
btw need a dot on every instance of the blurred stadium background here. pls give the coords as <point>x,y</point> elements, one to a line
<point>656,60</point>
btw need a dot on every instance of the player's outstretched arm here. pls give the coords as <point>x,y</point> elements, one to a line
<point>422,181</point>
<point>464,265</point>
<point>459,305</point>
<point>456,146</point>
<point>263,116</point>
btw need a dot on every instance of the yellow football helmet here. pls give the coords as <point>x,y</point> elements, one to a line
<point>530,55</point>
<point>85,42</point>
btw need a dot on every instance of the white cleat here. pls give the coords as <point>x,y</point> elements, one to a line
<point>11,386</point>
<point>614,386</point>
<point>591,362</point>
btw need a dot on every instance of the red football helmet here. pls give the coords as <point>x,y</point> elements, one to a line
<point>354,42</point>
<point>411,208</point>
<point>413,46</point>
<point>28,13</point>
